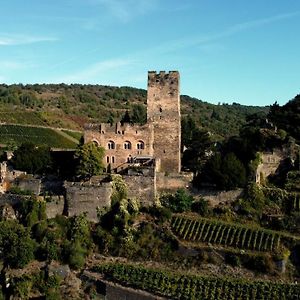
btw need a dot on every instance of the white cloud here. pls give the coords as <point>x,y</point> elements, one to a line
<point>17,39</point>
<point>96,70</point>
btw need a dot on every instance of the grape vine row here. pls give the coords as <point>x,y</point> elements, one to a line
<point>183,286</point>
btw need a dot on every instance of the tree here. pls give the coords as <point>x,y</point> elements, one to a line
<point>32,159</point>
<point>90,160</point>
<point>226,172</point>
<point>16,246</point>
<point>197,142</point>
<point>139,114</point>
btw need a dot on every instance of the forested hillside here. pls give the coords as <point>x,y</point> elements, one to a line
<point>70,106</point>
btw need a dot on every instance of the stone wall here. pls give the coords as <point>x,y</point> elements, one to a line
<point>12,199</point>
<point>118,292</point>
<point>55,206</point>
<point>86,198</point>
<point>218,197</point>
<point>173,181</point>
<point>141,187</point>
<point>270,162</point>
<point>29,184</point>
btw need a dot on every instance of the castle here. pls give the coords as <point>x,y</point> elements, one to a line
<point>158,140</point>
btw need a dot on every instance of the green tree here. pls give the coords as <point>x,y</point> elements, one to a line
<point>90,160</point>
<point>139,114</point>
<point>32,159</point>
<point>16,246</point>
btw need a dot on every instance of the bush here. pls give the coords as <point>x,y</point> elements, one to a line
<point>201,207</point>
<point>179,202</point>
<point>232,260</point>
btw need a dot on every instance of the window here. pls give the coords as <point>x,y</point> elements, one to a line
<point>107,159</point>
<point>111,145</point>
<point>96,143</point>
<point>127,145</point>
<point>113,159</point>
<point>140,145</point>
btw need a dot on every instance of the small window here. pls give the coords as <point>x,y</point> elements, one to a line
<point>107,159</point>
<point>127,145</point>
<point>140,145</point>
<point>160,109</point>
<point>111,145</point>
<point>113,159</point>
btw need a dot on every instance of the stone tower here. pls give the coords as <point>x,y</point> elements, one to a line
<point>163,112</point>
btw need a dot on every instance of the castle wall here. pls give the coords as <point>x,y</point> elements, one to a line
<point>86,198</point>
<point>163,111</point>
<point>172,182</point>
<point>141,187</point>
<point>55,206</point>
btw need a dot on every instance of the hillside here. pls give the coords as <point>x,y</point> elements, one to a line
<point>70,106</point>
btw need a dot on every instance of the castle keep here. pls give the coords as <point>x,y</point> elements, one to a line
<point>158,139</point>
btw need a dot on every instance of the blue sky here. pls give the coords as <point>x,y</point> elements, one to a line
<point>226,51</point>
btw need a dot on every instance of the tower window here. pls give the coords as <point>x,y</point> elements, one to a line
<point>140,145</point>
<point>111,145</point>
<point>127,145</point>
<point>113,159</point>
<point>107,159</point>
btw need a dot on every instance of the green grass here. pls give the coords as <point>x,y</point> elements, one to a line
<point>38,136</point>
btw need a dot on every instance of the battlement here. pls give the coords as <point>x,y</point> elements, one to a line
<point>116,128</point>
<point>163,77</point>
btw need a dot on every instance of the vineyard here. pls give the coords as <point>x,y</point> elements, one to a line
<point>38,136</point>
<point>182,286</point>
<point>203,230</point>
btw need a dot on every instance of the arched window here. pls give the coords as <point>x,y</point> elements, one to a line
<point>127,145</point>
<point>140,145</point>
<point>96,143</point>
<point>111,145</point>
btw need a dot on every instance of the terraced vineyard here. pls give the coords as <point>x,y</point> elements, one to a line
<point>203,230</point>
<point>38,136</point>
<point>189,287</point>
